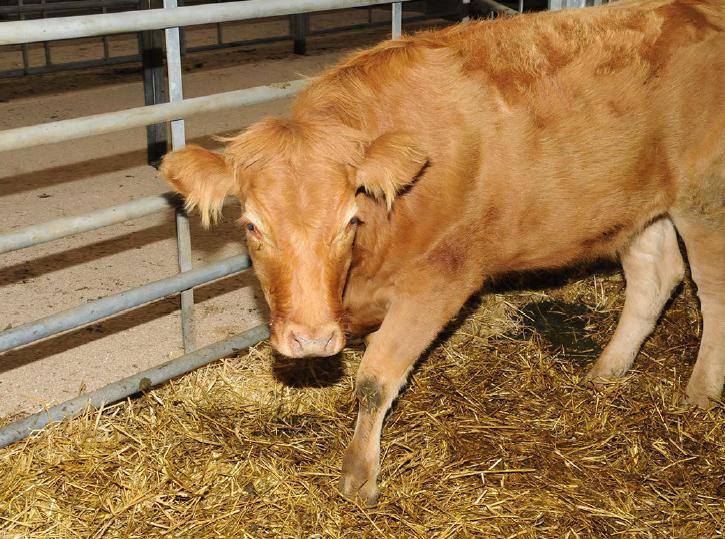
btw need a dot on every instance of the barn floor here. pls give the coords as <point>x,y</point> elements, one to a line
<point>496,436</point>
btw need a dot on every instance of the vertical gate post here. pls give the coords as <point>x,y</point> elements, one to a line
<point>24,46</point>
<point>151,44</point>
<point>182,32</point>
<point>178,140</point>
<point>565,4</point>
<point>397,19</point>
<point>46,44</point>
<point>299,27</point>
<point>466,10</point>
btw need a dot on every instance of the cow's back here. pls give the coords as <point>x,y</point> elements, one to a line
<point>599,121</point>
<point>592,123</point>
<point>555,134</point>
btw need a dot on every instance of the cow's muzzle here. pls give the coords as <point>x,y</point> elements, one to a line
<point>298,340</point>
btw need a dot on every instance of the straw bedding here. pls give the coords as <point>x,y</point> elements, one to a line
<point>496,436</point>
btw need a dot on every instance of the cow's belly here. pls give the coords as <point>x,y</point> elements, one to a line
<point>554,247</point>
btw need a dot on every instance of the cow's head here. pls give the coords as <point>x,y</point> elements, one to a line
<point>298,183</point>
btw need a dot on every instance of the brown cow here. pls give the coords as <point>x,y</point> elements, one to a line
<point>413,171</point>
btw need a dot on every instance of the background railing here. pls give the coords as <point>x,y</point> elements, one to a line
<point>298,26</point>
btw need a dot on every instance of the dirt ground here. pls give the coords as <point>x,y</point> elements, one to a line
<point>43,183</point>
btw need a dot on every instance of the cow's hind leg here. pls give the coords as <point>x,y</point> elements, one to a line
<point>704,237</point>
<point>652,266</point>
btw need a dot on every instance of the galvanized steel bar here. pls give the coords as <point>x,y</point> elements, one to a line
<point>173,72</point>
<point>25,137</point>
<point>182,31</point>
<point>397,19</point>
<point>178,140</point>
<point>104,40</point>
<point>46,44</point>
<point>183,250</point>
<point>65,6</point>
<point>16,32</point>
<point>114,60</point>
<point>67,226</point>
<point>113,304</point>
<point>131,385</point>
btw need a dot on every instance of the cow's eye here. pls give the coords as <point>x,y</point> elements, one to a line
<point>250,227</point>
<point>355,221</point>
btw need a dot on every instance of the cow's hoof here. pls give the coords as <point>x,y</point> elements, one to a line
<point>699,396</point>
<point>600,372</point>
<point>366,491</point>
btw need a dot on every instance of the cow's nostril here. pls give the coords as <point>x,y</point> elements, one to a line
<point>329,341</point>
<point>296,342</point>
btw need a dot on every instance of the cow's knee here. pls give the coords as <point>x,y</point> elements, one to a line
<point>370,393</point>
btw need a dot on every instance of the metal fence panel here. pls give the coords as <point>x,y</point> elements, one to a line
<point>41,30</point>
<point>66,226</point>
<point>116,303</point>
<point>135,383</point>
<point>298,32</point>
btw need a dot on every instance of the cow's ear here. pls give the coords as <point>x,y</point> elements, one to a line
<point>202,177</point>
<point>390,164</point>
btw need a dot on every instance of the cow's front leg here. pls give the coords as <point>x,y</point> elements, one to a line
<point>408,329</point>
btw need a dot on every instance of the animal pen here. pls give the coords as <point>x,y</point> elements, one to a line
<point>171,18</point>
